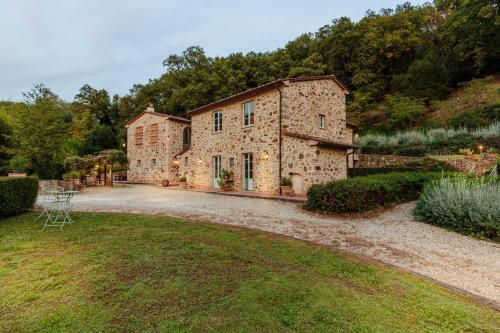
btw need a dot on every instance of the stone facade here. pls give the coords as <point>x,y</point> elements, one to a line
<point>307,151</point>
<point>150,158</point>
<point>382,161</point>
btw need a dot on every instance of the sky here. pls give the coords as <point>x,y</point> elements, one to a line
<point>114,44</point>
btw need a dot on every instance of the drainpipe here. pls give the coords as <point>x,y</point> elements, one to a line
<point>280,143</point>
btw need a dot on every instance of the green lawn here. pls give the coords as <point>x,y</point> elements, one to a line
<point>128,273</point>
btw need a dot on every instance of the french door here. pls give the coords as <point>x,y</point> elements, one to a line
<point>247,172</point>
<point>217,168</point>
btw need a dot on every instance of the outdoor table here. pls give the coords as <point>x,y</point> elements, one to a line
<point>58,210</point>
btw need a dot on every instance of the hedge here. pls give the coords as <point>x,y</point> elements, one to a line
<point>17,195</point>
<point>361,194</point>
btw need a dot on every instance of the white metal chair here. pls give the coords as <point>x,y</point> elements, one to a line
<point>46,197</point>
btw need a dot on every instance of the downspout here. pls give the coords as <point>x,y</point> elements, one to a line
<point>280,137</point>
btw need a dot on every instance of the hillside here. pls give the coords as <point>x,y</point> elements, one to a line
<point>464,105</point>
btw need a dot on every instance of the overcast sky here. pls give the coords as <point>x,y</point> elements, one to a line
<point>113,44</point>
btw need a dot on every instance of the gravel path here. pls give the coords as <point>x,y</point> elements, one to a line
<point>391,237</point>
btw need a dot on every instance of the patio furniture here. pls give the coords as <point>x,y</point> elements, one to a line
<point>58,209</point>
<point>46,197</point>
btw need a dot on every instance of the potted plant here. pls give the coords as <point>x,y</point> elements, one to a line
<point>183,182</point>
<point>226,183</point>
<point>165,182</point>
<point>18,166</point>
<point>286,186</point>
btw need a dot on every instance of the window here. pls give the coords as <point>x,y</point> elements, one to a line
<point>153,162</point>
<point>217,121</point>
<point>138,163</point>
<point>321,121</point>
<point>153,134</point>
<point>231,162</point>
<point>186,137</point>
<point>139,135</point>
<point>248,117</point>
<point>185,161</point>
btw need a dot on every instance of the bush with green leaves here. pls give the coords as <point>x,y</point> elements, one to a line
<point>466,205</point>
<point>286,181</point>
<point>361,194</point>
<point>17,195</point>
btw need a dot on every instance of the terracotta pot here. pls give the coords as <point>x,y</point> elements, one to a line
<point>165,182</point>
<point>183,185</point>
<point>286,190</point>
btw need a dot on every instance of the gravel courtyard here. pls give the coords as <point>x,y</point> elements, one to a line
<point>391,237</point>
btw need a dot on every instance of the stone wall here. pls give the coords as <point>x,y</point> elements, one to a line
<point>169,143</point>
<point>382,161</point>
<point>302,103</point>
<point>475,164</point>
<point>233,141</point>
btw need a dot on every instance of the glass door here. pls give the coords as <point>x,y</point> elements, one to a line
<point>247,172</point>
<point>217,168</point>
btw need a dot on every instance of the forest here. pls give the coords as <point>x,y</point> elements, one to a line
<point>396,61</point>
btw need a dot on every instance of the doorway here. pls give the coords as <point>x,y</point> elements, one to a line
<point>217,168</point>
<point>248,172</point>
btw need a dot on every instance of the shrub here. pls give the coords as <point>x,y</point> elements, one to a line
<point>17,195</point>
<point>286,181</point>
<point>465,205</point>
<point>364,193</point>
<point>183,179</point>
<point>359,172</point>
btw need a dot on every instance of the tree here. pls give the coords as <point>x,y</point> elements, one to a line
<point>101,137</point>
<point>5,145</point>
<point>39,128</point>
<point>97,101</point>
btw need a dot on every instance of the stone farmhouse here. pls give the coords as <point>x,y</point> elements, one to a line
<point>153,139</point>
<point>287,128</point>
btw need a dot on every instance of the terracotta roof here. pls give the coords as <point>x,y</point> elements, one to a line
<point>261,89</point>
<point>351,125</point>
<point>182,152</point>
<point>318,141</point>
<point>170,117</point>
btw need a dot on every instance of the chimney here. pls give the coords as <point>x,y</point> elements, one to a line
<point>150,108</point>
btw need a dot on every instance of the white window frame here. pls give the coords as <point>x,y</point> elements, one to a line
<point>248,115</point>
<point>321,121</point>
<point>217,121</point>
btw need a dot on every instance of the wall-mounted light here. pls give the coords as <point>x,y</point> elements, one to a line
<point>356,135</point>
<point>176,162</point>
<point>124,145</point>
<point>265,156</point>
<point>200,161</point>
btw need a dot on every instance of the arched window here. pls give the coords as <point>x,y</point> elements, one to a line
<point>186,137</point>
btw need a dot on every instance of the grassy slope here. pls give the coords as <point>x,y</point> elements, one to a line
<point>470,96</point>
<point>135,273</point>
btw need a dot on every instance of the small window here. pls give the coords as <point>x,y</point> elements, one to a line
<point>248,114</point>
<point>217,121</point>
<point>139,136</point>
<point>231,162</point>
<point>153,161</point>
<point>138,163</point>
<point>321,121</point>
<point>185,161</point>
<point>186,137</point>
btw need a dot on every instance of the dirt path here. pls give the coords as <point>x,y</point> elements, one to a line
<point>392,237</point>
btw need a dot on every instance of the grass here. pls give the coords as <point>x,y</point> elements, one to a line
<point>130,273</point>
<point>469,97</point>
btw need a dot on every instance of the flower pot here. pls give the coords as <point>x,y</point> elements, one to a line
<point>286,190</point>
<point>165,182</point>
<point>183,185</point>
<point>228,185</point>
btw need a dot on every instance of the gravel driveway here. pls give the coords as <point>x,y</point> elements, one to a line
<point>391,237</point>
